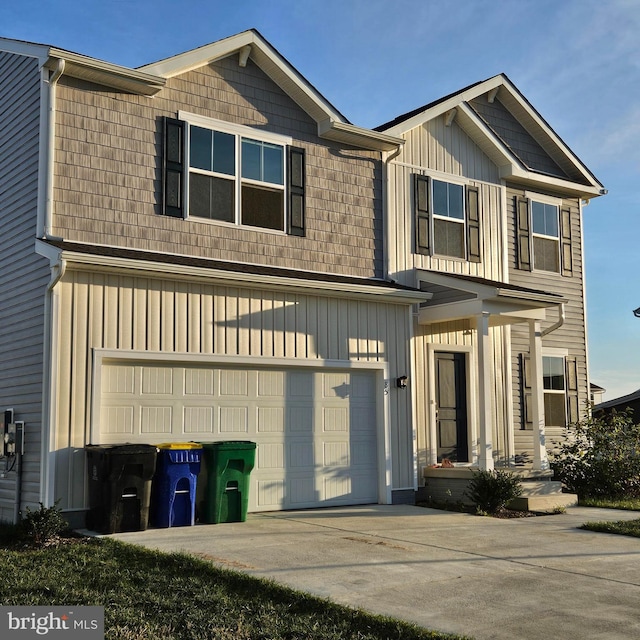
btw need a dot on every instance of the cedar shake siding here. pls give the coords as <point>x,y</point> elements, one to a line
<point>109,187</point>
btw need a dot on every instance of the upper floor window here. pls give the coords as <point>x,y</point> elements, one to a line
<point>232,174</point>
<point>447,219</point>
<point>543,229</point>
<point>546,239</point>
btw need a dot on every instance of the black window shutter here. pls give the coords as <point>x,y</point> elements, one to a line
<point>523,234</point>
<point>526,392</point>
<point>421,199</point>
<point>296,191</point>
<point>565,241</point>
<point>173,168</point>
<point>473,224</point>
<point>573,410</point>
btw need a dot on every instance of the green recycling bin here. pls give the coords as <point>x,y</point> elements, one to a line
<point>228,467</point>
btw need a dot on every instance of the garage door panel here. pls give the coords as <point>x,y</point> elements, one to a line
<point>300,419</point>
<point>234,419</point>
<point>157,381</point>
<point>154,419</point>
<point>198,382</point>
<point>270,419</point>
<point>198,420</point>
<point>315,429</point>
<point>271,384</point>
<point>234,383</point>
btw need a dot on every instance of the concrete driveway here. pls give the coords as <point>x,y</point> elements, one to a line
<point>525,578</point>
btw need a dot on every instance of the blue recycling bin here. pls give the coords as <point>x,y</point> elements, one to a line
<point>175,482</point>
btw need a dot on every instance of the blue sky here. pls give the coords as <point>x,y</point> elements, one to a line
<point>577,61</point>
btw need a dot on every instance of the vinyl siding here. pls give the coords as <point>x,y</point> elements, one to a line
<point>437,150</point>
<point>109,184</point>
<point>23,274</point>
<point>458,336</point>
<point>179,318</point>
<point>571,336</point>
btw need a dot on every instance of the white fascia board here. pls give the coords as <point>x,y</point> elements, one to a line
<point>358,136</point>
<point>447,105</point>
<point>485,138</point>
<point>196,58</point>
<point>500,312</point>
<point>541,181</point>
<point>30,49</point>
<point>106,73</point>
<point>186,272</point>
<point>269,60</point>
<point>541,127</point>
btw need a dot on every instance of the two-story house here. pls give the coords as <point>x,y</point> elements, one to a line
<point>205,249</point>
<point>485,213</point>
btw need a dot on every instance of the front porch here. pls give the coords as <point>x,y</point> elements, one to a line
<point>482,307</point>
<point>540,492</point>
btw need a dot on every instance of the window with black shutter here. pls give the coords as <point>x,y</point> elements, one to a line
<point>232,174</point>
<point>447,218</point>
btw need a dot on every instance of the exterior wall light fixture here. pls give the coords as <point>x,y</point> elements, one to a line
<point>401,382</point>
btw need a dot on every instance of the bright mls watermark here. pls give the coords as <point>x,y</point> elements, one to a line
<point>53,623</point>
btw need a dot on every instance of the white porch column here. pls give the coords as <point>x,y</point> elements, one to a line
<point>540,460</point>
<point>485,421</point>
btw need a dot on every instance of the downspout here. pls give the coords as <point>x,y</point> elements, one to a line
<point>51,142</point>
<point>57,271</point>
<point>557,324</point>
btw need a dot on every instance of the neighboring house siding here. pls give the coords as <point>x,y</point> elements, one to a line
<point>109,188</point>
<point>23,275</point>
<point>516,137</point>
<point>179,318</point>
<point>571,336</point>
<point>445,150</point>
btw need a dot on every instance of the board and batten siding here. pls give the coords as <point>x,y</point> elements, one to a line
<point>459,336</point>
<point>23,274</point>
<point>571,336</point>
<point>178,318</point>
<point>440,151</point>
<point>108,175</point>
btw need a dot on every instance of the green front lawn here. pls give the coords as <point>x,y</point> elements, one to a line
<point>621,527</point>
<point>151,595</point>
<point>630,504</point>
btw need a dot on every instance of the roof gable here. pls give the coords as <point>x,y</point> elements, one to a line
<point>503,123</point>
<point>332,125</point>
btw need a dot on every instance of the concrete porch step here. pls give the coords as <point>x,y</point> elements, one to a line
<point>532,488</point>
<point>548,502</point>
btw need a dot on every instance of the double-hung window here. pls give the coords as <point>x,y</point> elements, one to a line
<point>543,230</point>
<point>233,174</point>
<point>559,389</point>
<point>553,383</point>
<point>447,218</point>
<point>546,237</point>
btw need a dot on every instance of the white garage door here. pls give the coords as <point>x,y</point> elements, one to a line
<point>315,429</point>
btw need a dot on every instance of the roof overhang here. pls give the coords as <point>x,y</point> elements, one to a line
<point>457,297</point>
<point>105,73</point>
<point>511,168</point>
<point>332,125</point>
<point>148,264</point>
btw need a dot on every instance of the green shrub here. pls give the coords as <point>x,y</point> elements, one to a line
<point>601,456</point>
<point>43,526</point>
<point>490,491</point>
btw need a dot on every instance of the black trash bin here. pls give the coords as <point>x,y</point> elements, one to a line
<point>120,486</point>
